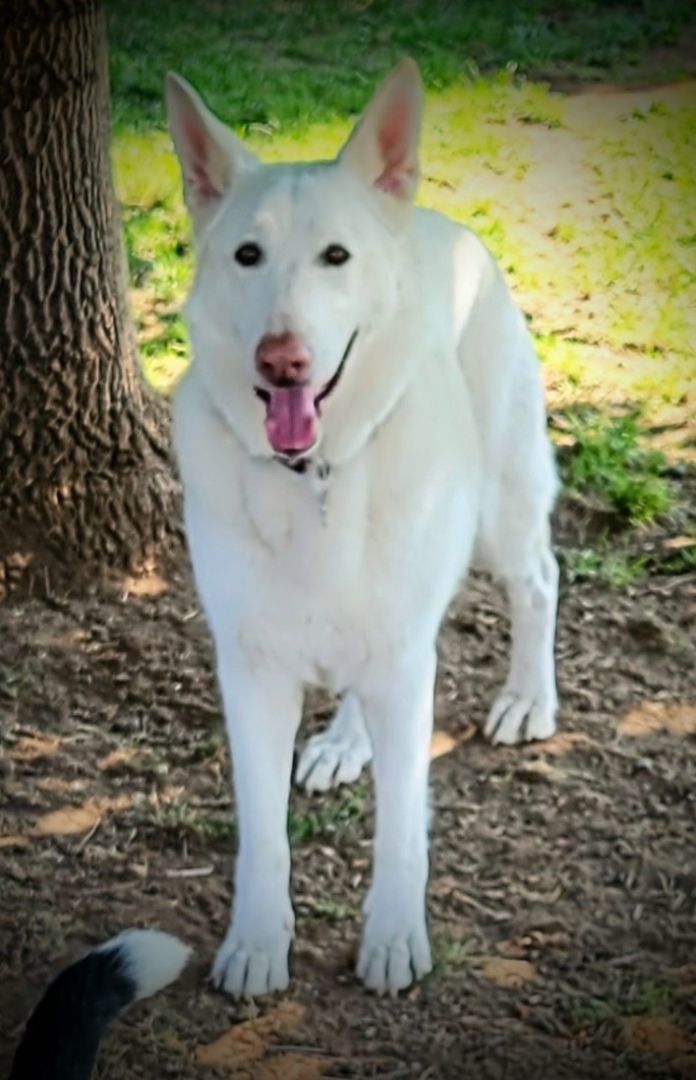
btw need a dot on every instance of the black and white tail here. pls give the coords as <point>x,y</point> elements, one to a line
<point>62,1035</point>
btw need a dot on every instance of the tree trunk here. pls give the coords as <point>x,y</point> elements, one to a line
<point>85,474</point>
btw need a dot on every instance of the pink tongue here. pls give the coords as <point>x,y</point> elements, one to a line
<point>291,418</point>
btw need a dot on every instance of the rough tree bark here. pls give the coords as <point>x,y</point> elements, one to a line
<point>85,474</point>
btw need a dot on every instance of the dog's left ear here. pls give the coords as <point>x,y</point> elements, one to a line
<point>383,147</point>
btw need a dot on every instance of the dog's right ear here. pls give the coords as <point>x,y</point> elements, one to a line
<point>212,157</point>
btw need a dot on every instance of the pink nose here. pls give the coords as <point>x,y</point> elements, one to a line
<point>282,359</point>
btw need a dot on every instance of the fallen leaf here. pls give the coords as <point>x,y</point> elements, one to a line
<point>509,973</point>
<point>116,758</point>
<point>69,821</point>
<point>73,820</point>
<point>540,770</point>
<point>443,743</point>
<point>678,543</point>
<point>32,747</point>
<point>144,585</point>
<point>14,842</point>
<point>248,1041</point>
<point>566,741</point>
<point>655,1035</point>
<point>652,716</point>
<point>68,640</point>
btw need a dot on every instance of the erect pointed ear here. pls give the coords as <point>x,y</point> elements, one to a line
<point>211,156</point>
<point>383,148</point>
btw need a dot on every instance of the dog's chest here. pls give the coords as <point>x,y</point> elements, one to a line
<point>309,529</point>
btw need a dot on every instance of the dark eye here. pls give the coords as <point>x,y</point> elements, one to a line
<point>334,255</point>
<point>249,255</point>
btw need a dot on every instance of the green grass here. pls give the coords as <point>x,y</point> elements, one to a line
<point>631,253</point>
<point>451,953</point>
<point>299,62</point>
<point>644,998</point>
<point>608,459</point>
<point>335,815</point>
<point>603,563</point>
<point>181,821</point>
<point>332,911</point>
<point>14,680</point>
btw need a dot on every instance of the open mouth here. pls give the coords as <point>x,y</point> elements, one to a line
<point>293,412</point>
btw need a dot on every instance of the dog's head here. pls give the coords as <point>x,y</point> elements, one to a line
<point>297,264</point>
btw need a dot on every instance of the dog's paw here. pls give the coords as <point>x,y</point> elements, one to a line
<point>330,759</point>
<point>243,968</point>
<point>389,963</point>
<point>395,949</point>
<point>515,718</point>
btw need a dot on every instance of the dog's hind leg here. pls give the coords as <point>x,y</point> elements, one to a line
<point>514,545</point>
<point>525,709</point>
<point>339,754</point>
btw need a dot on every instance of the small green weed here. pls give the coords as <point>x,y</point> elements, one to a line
<point>333,818</point>
<point>451,953</point>
<point>646,998</point>
<point>593,1012</point>
<point>332,911</point>
<point>13,680</point>
<point>650,998</point>
<point>180,820</point>
<point>603,564</point>
<point>609,460</point>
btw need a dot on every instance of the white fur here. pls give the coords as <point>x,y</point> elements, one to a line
<point>152,958</point>
<point>437,445</point>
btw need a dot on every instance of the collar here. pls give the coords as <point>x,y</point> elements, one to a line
<point>318,473</point>
<point>301,466</point>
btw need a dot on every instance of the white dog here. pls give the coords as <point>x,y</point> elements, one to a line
<point>363,417</point>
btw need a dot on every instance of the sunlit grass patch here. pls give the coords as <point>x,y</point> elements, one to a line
<point>166,356</point>
<point>158,250</point>
<point>636,254</point>
<point>146,173</point>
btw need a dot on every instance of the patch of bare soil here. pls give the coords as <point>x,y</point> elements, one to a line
<point>563,886</point>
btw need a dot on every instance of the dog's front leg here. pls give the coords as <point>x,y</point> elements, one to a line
<point>262,711</point>
<point>398,713</point>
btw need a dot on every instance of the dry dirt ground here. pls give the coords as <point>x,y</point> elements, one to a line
<point>563,886</point>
